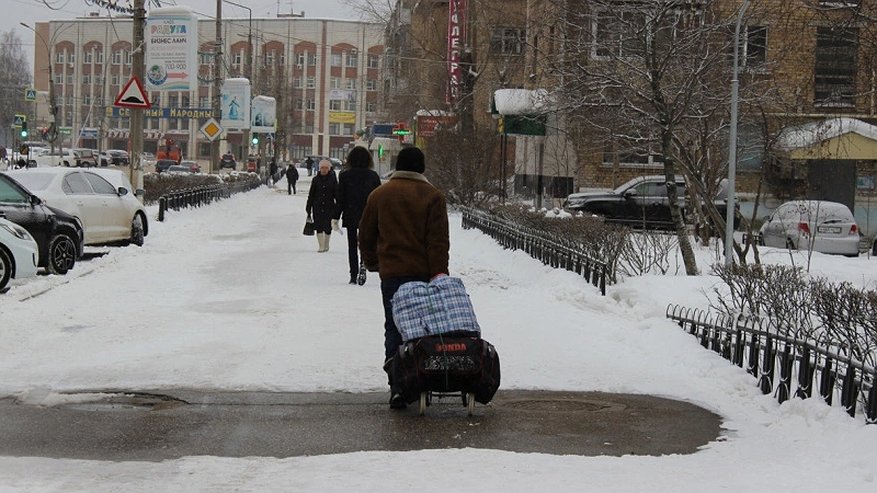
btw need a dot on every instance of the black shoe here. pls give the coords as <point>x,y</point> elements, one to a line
<point>397,402</point>
<point>352,280</point>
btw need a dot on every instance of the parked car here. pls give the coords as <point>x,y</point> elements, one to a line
<point>193,166</point>
<point>826,227</point>
<point>179,168</point>
<point>228,161</point>
<point>19,253</point>
<point>114,157</point>
<point>58,234</point>
<point>109,212</point>
<point>163,164</point>
<point>83,158</point>
<point>61,157</point>
<point>640,203</point>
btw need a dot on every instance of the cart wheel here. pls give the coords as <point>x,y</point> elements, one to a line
<point>423,397</point>
<point>470,402</point>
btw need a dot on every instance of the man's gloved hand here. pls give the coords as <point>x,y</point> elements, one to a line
<point>335,226</point>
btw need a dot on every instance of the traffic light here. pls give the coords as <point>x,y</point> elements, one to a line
<point>255,140</point>
<point>381,151</point>
<point>24,129</point>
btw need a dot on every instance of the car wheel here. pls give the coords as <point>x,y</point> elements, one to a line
<point>137,234</point>
<point>5,269</point>
<point>62,254</point>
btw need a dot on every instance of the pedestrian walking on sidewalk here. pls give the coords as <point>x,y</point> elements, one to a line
<point>354,186</point>
<point>291,178</point>
<point>321,203</point>
<point>403,235</point>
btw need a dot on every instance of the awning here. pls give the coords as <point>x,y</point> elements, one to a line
<point>834,138</point>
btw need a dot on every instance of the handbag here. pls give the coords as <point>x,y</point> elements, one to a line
<point>309,227</point>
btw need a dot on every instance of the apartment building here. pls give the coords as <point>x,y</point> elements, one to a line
<point>325,74</point>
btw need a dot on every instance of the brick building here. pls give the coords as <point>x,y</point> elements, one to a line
<point>326,71</point>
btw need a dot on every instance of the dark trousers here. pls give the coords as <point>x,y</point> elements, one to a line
<point>392,337</point>
<point>290,187</point>
<point>352,250</point>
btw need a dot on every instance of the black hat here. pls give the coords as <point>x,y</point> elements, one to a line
<point>411,159</point>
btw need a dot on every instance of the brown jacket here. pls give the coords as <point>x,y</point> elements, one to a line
<point>404,228</point>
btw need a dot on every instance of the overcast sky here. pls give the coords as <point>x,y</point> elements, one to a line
<point>30,11</point>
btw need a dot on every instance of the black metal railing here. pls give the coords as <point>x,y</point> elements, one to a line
<point>537,245</point>
<point>781,361</point>
<point>203,195</point>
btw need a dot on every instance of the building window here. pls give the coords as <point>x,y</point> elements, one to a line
<point>59,79</point>
<point>70,80</point>
<point>352,59</point>
<point>203,102</point>
<point>370,107</point>
<point>114,79</point>
<point>89,56</point>
<point>86,79</point>
<point>351,84</point>
<point>615,33</point>
<point>117,58</point>
<point>374,61</point>
<point>312,82</point>
<point>507,40</point>
<point>755,46</point>
<point>99,56</point>
<point>296,82</point>
<point>350,105</point>
<point>86,100</point>
<point>300,60</point>
<point>312,59</point>
<point>236,60</point>
<point>371,85</point>
<point>312,105</point>
<point>335,105</point>
<point>71,58</point>
<point>335,129</point>
<point>336,59</point>
<point>60,57</point>
<point>836,67</point>
<point>347,129</point>
<point>631,158</point>
<point>334,83</point>
<point>205,58</point>
<point>129,58</point>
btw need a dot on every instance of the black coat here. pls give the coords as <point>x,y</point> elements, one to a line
<point>354,187</point>
<point>321,201</point>
<point>291,174</point>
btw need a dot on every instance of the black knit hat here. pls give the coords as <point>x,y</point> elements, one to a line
<point>411,159</point>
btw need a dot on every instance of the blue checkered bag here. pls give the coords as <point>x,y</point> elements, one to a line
<point>438,307</point>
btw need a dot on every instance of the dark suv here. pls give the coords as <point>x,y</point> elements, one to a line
<point>58,234</point>
<point>640,203</point>
<point>227,161</point>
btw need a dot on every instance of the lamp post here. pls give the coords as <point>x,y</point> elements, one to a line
<point>248,67</point>
<point>732,144</point>
<point>53,110</point>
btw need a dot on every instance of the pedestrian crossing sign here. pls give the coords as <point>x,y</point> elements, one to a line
<point>30,94</point>
<point>19,120</point>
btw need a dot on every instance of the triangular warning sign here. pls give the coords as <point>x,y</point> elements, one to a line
<point>133,95</point>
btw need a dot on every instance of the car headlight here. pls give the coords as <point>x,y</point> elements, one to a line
<point>16,230</point>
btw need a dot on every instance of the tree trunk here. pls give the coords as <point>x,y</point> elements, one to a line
<point>675,213</point>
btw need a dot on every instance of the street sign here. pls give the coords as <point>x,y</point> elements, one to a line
<point>19,120</point>
<point>133,95</point>
<point>30,94</point>
<point>211,129</point>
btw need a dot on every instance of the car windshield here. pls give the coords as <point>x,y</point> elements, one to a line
<point>34,180</point>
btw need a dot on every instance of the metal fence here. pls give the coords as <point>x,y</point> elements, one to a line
<point>203,195</point>
<point>780,362</point>
<point>537,245</point>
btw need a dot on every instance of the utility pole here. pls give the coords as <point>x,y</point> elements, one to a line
<point>217,84</point>
<point>137,70</point>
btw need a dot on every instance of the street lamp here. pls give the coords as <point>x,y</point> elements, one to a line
<point>249,67</point>
<point>732,144</point>
<point>53,110</point>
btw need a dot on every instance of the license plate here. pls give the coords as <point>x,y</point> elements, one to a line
<point>829,229</point>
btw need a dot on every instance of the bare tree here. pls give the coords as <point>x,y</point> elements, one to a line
<point>14,78</point>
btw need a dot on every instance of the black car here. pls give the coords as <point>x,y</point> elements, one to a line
<point>227,161</point>
<point>640,203</point>
<point>164,164</point>
<point>59,235</point>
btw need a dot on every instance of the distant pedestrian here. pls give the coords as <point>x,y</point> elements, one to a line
<point>272,168</point>
<point>321,203</point>
<point>354,186</point>
<point>291,178</point>
<point>309,164</point>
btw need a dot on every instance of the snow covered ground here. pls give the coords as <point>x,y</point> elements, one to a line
<point>233,297</point>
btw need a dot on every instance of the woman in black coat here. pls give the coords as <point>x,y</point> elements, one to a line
<point>354,186</point>
<point>321,203</point>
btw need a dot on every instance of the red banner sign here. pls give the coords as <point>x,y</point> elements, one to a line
<point>427,126</point>
<point>456,42</point>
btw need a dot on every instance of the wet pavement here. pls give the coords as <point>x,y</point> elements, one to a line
<point>165,424</point>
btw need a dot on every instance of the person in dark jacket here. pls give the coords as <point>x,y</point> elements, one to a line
<point>291,178</point>
<point>354,186</point>
<point>272,169</point>
<point>321,203</point>
<point>403,235</point>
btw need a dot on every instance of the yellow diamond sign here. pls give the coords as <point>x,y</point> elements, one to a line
<point>211,129</point>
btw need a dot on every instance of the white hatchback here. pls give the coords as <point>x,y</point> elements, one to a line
<point>818,225</point>
<point>19,253</point>
<point>101,199</point>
